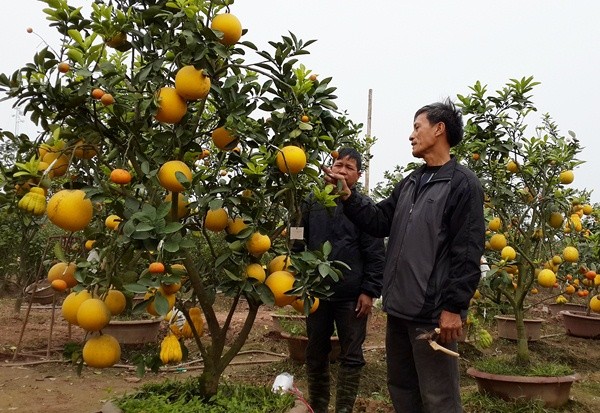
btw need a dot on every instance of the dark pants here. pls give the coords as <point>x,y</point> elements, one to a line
<point>351,332</point>
<point>420,380</point>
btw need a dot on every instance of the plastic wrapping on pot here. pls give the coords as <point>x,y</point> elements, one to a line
<point>283,383</point>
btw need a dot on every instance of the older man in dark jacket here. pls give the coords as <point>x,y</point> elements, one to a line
<point>349,306</point>
<point>434,220</point>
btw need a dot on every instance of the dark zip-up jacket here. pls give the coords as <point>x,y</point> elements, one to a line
<point>363,253</point>
<point>436,240</point>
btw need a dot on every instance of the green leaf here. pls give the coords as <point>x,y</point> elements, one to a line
<point>171,245</point>
<point>135,288</point>
<point>59,253</point>
<point>172,227</point>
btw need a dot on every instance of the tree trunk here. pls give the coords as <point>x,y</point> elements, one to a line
<point>522,347</point>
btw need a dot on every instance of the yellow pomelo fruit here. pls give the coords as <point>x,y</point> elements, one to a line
<point>89,244</point>
<point>256,271</point>
<point>171,107</point>
<point>101,351</point>
<point>279,282</point>
<point>83,150</point>
<point>556,260</point>
<point>508,253</point>
<point>587,209</point>
<point>115,301</point>
<point>497,242</point>
<point>170,289</point>
<point>182,205</point>
<point>223,140</point>
<point>93,315</point>
<point>495,224</point>
<point>512,167</point>
<point>112,222</point>
<point>291,159</point>
<point>566,177</point>
<point>546,278</point>
<point>70,210</point>
<point>71,304</point>
<point>556,219</point>
<point>258,244</point>
<point>216,220</point>
<point>279,263</point>
<point>151,309</point>
<point>595,304</point>
<point>61,163</point>
<point>229,25</point>
<point>167,175</point>
<point>63,271</point>
<point>571,254</point>
<point>191,83</point>
<point>299,305</point>
<point>235,226</point>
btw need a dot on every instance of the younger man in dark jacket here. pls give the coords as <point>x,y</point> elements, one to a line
<point>349,306</point>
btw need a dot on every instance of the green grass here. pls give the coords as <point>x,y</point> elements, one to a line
<point>182,397</point>
<point>508,366</point>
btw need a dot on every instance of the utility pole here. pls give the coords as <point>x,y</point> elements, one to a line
<point>18,119</point>
<point>369,110</point>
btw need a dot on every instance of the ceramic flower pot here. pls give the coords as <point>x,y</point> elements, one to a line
<point>297,347</point>
<point>554,391</point>
<point>507,327</point>
<point>555,309</point>
<point>134,331</point>
<point>578,324</point>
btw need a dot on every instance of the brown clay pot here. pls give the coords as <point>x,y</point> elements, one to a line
<point>42,292</point>
<point>579,324</point>
<point>555,309</point>
<point>133,331</point>
<point>554,391</point>
<point>507,327</point>
<point>297,347</point>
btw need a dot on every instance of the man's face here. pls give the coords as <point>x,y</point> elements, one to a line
<point>347,167</point>
<point>424,136</point>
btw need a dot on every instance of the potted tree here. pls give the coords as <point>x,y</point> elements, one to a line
<point>535,228</point>
<point>152,146</point>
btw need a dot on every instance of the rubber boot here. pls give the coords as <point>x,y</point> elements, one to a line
<point>318,390</point>
<point>347,388</point>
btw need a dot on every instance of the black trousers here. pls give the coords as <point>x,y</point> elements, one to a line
<point>351,332</point>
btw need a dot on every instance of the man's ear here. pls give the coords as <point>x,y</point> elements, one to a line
<point>440,128</point>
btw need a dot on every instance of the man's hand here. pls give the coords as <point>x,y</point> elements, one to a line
<point>333,178</point>
<point>363,305</point>
<point>450,326</point>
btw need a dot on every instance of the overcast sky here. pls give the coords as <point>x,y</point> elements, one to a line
<point>411,54</point>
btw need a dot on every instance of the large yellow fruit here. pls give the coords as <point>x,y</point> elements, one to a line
<point>279,263</point>
<point>512,167</point>
<point>93,315</point>
<point>115,301</point>
<point>495,224</point>
<point>546,278</point>
<point>182,205</point>
<point>235,226</point>
<point>595,304</point>
<point>298,305</point>
<point>71,304</point>
<point>256,271</point>
<point>168,178</point>
<point>566,177</point>
<point>101,351</point>
<point>556,219</point>
<point>508,253</point>
<point>258,244</point>
<point>63,271</point>
<point>291,159</point>
<point>570,254</point>
<point>61,163</point>
<point>497,242</point>
<point>112,222</point>
<point>229,25</point>
<point>587,209</point>
<point>223,140</point>
<point>171,107</point>
<point>70,210</point>
<point>83,150</point>
<point>216,220</point>
<point>191,83</point>
<point>279,282</point>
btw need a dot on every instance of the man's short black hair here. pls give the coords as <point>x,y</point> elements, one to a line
<point>352,154</point>
<point>447,113</point>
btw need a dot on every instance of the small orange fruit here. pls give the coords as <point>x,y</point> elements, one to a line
<point>63,67</point>
<point>305,119</point>
<point>120,176</point>
<point>107,99</point>
<point>59,285</point>
<point>334,154</point>
<point>97,93</point>
<point>312,77</point>
<point>223,140</point>
<point>156,268</point>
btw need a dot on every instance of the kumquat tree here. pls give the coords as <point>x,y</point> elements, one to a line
<point>542,233</point>
<point>181,164</point>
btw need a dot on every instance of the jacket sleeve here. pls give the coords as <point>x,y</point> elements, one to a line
<point>373,255</point>
<point>374,219</point>
<point>467,239</point>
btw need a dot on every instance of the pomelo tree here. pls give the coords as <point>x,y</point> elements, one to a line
<point>539,227</point>
<point>181,163</point>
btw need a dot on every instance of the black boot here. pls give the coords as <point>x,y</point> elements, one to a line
<point>318,390</point>
<point>347,388</point>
